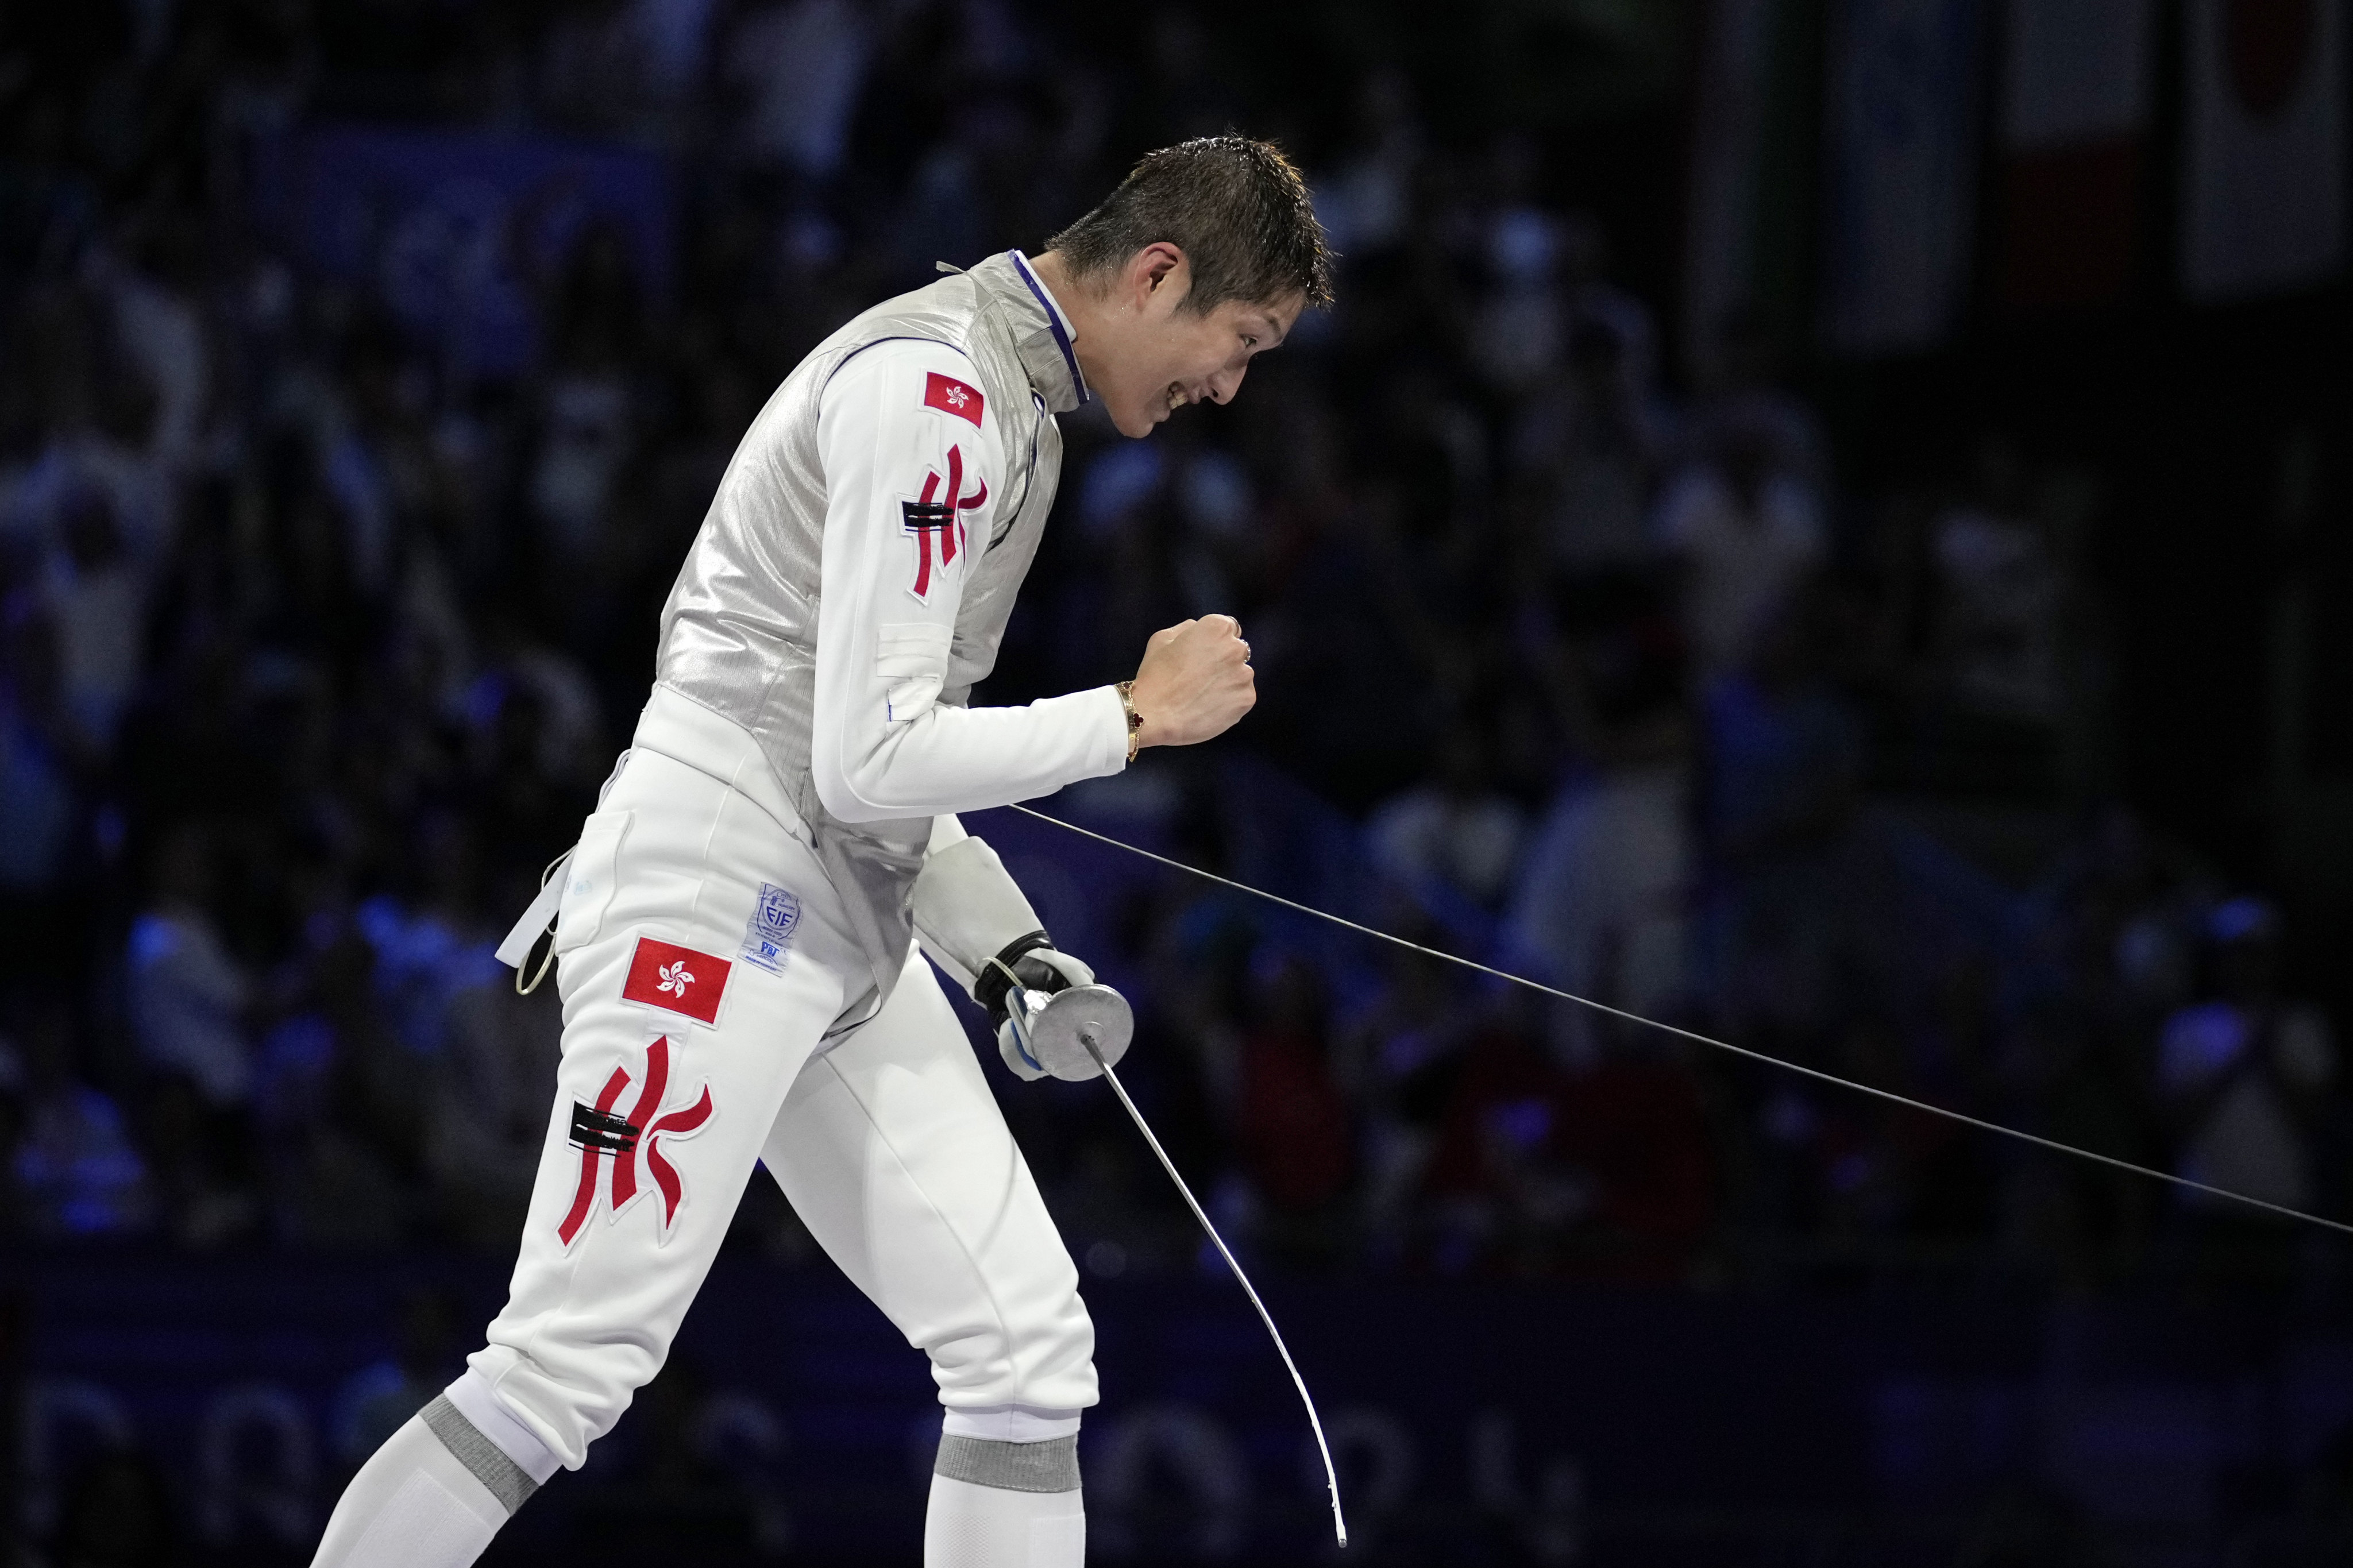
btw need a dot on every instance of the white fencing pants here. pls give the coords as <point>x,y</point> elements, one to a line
<point>702,956</point>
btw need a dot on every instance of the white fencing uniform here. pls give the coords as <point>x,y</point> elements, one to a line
<point>739,979</point>
<point>886,1139</point>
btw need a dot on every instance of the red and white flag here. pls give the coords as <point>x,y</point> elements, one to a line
<point>949,396</point>
<point>676,979</point>
<point>2263,207</point>
<point>2076,95</point>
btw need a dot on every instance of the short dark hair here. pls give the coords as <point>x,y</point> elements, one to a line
<point>1237,207</point>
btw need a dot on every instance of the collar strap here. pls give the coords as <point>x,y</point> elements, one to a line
<point>1056,323</point>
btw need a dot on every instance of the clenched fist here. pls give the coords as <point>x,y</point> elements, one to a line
<point>1194,683</point>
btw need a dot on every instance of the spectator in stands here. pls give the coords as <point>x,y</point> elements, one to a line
<point>488,1117</point>
<point>342,1107</point>
<point>1998,597</point>
<point>1367,207</point>
<point>1519,337</point>
<point>199,1163</point>
<point>1634,1124</point>
<point>1742,387</point>
<point>14,1122</point>
<point>375,1401</point>
<point>1602,904</point>
<point>2241,1074</point>
<point>1501,1198</point>
<point>1599,1169</point>
<point>799,67</point>
<point>97,595</point>
<point>40,795</point>
<point>1293,1120</point>
<point>1784,757</point>
<point>1457,832</point>
<point>76,1171</point>
<point>1407,1053</point>
<point>1746,531</point>
<point>1583,453</point>
<point>191,1000</point>
<point>429,948</point>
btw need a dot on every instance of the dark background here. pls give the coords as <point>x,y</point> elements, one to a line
<point>365,369</point>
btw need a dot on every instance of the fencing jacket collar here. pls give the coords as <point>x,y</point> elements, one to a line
<point>1042,335</point>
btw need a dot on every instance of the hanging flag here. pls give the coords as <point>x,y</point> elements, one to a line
<point>1903,129</point>
<point>1719,263</point>
<point>2073,144</point>
<point>2264,207</point>
<point>1748,227</point>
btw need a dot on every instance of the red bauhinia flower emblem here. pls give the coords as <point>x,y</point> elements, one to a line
<point>599,1133</point>
<point>949,396</point>
<point>676,979</point>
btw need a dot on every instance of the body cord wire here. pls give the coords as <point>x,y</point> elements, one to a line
<point>2053,1145</point>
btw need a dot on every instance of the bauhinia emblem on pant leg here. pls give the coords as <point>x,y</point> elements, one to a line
<point>599,1132</point>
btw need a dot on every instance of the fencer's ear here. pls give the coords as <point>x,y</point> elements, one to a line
<point>1157,265</point>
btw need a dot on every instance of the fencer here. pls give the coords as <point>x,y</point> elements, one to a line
<point>739,933</point>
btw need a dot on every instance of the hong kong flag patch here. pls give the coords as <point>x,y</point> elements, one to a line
<point>949,396</point>
<point>663,974</point>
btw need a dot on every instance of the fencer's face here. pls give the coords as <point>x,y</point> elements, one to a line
<point>1153,356</point>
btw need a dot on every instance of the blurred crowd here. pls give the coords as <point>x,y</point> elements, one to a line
<point>317,637</point>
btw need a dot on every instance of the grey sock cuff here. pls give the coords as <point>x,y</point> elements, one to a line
<point>1052,1466</point>
<point>506,1480</point>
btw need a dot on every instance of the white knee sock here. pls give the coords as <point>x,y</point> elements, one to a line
<point>440,1488</point>
<point>413,1505</point>
<point>1005,1505</point>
